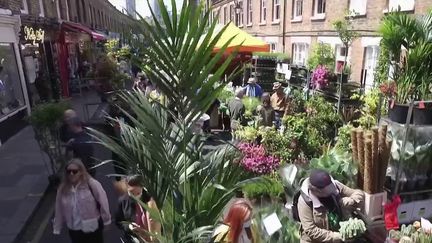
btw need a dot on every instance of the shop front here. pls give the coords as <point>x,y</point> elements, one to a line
<point>14,102</point>
<point>75,47</point>
<point>40,59</point>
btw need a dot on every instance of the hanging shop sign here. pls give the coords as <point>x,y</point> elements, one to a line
<point>34,35</point>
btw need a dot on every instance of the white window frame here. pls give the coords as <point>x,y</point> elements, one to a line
<point>358,7</point>
<point>405,5</point>
<point>67,10</point>
<point>375,53</point>
<point>273,47</point>
<point>232,12</point>
<point>317,15</point>
<point>41,8</point>
<point>58,9</point>
<point>300,53</point>
<point>241,14</point>
<point>296,16</point>
<point>276,11</point>
<point>24,10</point>
<point>225,14</point>
<point>263,11</point>
<point>249,14</point>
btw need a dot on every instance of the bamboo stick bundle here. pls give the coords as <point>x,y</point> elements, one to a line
<point>360,157</point>
<point>368,170</point>
<point>375,160</point>
<point>354,144</point>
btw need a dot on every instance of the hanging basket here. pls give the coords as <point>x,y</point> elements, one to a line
<point>398,113</point>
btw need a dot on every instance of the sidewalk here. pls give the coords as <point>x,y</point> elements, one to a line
<point>23,181</point>
<point>24,174</point>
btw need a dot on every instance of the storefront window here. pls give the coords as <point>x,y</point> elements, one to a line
<point>11,95</point>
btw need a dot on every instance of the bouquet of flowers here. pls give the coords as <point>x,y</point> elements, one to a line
<point>256,160</point>
<point>320,77</point>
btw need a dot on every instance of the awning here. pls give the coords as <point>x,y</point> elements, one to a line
<point>242,42</point>
<point>74,27</point>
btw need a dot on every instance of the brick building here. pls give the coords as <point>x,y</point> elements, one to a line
<point>52,38</point>
<point>294,26</point>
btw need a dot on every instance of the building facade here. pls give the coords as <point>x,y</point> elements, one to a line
<point>48,37</point>
<point>295,26</point>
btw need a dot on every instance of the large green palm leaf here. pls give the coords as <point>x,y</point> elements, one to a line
<point>189,186</point>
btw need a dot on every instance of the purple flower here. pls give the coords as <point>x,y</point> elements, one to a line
<point>256,160</point>
<point>320,77</point>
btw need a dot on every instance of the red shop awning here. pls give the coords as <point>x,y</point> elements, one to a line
<point>74,27</point>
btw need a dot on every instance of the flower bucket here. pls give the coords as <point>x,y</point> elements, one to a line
<point>398,113</point>
<point>422,116</point>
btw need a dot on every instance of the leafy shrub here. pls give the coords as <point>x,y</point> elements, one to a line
<point>251,104</point>
<point>343,140</point>
<point>322,54</point>
<point>272,187</point>
<point>338,163</point>
<point>48,114</point>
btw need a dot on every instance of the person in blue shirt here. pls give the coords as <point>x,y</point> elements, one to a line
<point>252,89</point>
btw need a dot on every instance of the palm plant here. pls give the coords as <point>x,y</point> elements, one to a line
<point>414,34</point>
<point>189,186</point>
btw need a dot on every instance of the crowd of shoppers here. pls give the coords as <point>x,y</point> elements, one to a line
<point>273,108</point>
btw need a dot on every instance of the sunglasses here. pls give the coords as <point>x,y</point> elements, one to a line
<point>72,172</point>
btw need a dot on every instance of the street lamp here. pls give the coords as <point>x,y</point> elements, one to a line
<point>238,10</point>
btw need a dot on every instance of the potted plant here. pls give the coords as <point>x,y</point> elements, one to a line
<point>422,114</point>
<point>346,73</point>
<point>320,77</point>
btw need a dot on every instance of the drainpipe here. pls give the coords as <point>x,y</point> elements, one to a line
<point>284,26</point>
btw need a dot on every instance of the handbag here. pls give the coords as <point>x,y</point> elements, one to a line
<point>98,206</point>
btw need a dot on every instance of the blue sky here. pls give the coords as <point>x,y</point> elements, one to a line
<point>141,5</point>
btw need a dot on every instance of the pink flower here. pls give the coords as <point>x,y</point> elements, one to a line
<point>256,161</point>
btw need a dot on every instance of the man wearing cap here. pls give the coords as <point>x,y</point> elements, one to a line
<point>252,89</point>
<point>323,203</point>
<point>279,103</point>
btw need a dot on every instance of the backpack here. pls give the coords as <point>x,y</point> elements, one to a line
<point>294,207</point>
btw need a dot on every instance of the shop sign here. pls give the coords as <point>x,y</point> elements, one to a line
<point>33,35</point>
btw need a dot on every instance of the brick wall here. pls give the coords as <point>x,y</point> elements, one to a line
<point>366,25</point>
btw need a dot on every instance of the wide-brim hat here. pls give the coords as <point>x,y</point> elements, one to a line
<point>251,80</point>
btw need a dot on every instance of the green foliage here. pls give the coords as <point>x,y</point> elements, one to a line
<point>190,187</point>
<point>247,133</point>
<point>272,187</point>
<point>382,68</point>
<point>251,104</point>
<point>369,108</point>
<point>344,28</point>
<point>225,95</point>
<point>352,229</point>
<point>48,114</point>
<point>290,231</point>
<point>343,140</point>
<point>412,74</point>
<point>338,163</point>
<point>273,55</point>
<point>324,54</point>
<point>279,144</point>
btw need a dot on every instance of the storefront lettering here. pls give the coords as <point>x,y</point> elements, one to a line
<point>33,35</point>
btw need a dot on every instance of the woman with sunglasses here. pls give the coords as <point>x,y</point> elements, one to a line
<point>82,204</point>
<point>237,226</point>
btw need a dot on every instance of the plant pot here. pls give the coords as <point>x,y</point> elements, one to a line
<point>422,116</point>
<point>398,113</point>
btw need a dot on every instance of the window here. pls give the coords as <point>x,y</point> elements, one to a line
<point>358,7</point>
<point>24,7</point>
<point>404,5</point>
<point>300,53</point>
<point>276,10</point>
<point>369,64</point>
<point>319,8</point>
<point>41,9</point>
<point>272,47</point>
<point>341,51</point>
<point>225,15</point>
<point>215,16</point>
<point>12,97</point>
<point>263,11</point>
<point>240,15</point>
<point>231,12</point>
<point>249,12</point>
<point>297,10</point>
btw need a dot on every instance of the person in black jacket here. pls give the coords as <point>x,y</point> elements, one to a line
<point>131,217</point>
<point>81,144</point>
